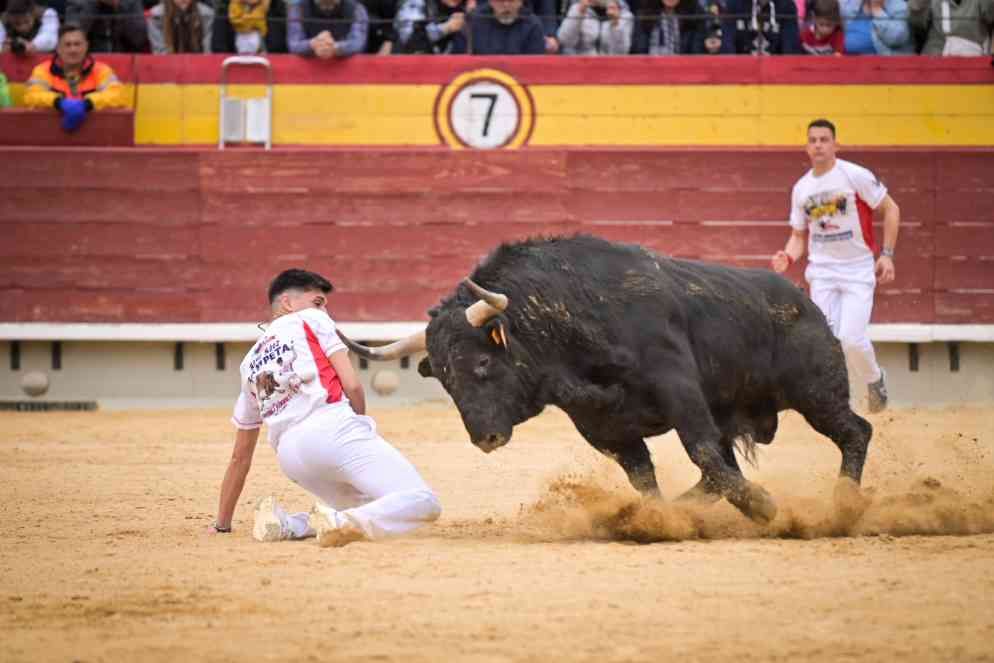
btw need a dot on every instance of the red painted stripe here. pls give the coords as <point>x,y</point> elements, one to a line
<point>866,223</point>
<point>326,372</point>
<point>548,70</point>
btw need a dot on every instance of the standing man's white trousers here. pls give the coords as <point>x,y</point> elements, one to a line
<point>347,465</point>
<point>848,306</point>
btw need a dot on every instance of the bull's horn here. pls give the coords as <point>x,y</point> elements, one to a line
<point>490,304</point>
<point>495,299</point>
<point>406,346</point>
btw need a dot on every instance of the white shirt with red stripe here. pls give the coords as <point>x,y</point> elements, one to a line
<point>837,211</point>
<point>287,376</point>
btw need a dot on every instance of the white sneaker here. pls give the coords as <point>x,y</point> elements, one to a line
<point>269,521</point>
<point>330,532</point>
<point>876,393</point>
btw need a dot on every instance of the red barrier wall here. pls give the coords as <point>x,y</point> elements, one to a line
<point>144,235</point>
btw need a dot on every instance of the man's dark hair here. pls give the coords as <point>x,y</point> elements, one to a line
<point>298,279</point>
<point>822,123</point>
<point>70,27</point>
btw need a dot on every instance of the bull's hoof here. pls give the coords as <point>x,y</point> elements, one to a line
<point>850,502</point>
<point>754,502</point>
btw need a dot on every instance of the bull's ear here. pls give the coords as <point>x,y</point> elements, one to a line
<point>497,333</point>
<point>424,368</point>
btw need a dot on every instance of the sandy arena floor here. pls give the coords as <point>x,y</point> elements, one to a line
<point>105,556</point>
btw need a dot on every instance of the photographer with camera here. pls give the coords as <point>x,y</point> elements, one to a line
<point>27,28</point>
<point>72,82</point>
<point>597,27</point>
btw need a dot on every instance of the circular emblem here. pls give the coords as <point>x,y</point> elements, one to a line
<point>484,109</point>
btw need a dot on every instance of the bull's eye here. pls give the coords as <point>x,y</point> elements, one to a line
<point>481,367</point>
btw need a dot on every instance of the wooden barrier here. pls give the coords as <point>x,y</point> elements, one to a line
<point>145,235</point>
<point>106,128</point>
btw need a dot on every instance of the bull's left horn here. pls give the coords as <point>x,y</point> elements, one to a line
<point>406,346</point>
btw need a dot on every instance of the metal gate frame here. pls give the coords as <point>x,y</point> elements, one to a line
<point>246,60</point>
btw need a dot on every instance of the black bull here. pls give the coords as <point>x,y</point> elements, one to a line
<point>631,344</point>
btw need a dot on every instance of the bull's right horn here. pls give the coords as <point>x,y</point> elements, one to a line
<point>406,346</point>
<point>490,304</point>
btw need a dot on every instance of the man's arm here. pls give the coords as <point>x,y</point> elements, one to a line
<point>350,381</point>
<point>355,41</point>
<point>234,477</point>
<point>892,222</point>
<point>792,252</point>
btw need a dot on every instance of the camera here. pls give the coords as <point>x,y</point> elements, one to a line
<point>18,46</point>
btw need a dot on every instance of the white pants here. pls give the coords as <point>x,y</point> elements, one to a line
<point>347,465</point>
<point>848,305</point>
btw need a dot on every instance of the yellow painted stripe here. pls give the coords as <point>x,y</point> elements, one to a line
<point>762,114</point>
<point>302,114</point>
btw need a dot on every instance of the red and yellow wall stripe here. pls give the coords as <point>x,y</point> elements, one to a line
<point>563,102</point>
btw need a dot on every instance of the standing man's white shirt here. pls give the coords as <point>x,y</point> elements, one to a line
<point>837,211</point>
<point>287,377</point>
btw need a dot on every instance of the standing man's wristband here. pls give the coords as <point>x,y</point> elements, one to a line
<point>221,530</point>
<point>887,252</point>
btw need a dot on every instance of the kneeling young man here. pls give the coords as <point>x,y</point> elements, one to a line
<point>298,380</point>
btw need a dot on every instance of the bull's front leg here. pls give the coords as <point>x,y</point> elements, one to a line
<point>634,457</point>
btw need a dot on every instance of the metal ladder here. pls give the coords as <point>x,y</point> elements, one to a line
<point>246,120</point>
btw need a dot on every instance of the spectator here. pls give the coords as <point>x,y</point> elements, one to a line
<point>712,38</point>
<point>597,27</point>
<point>953,27</point>
<point>381,34</point>
<point>876,27</point>
<point>72,82</point>
<point>111,26</point>
<point>5,101</point>
<point>27,28</point>
<point>761,27</point>
<point>668,27</point>
<point>432,26</point>
<point>180,26</point>
<point>248,20</point>
<point>504,27</point>
<point>547,14</point>
<point>823,35</point>
<point>224,37</point>
<point>327,28</point>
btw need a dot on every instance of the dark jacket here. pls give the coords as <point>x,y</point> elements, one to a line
<point>648,13</point>
<point>110,31</point>
<point>490,37</point>
<point>747,32</point>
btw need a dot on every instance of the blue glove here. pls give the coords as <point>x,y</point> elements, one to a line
<point>73,113</point>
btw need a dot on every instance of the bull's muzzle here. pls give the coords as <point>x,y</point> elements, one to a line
<point>488,443</point>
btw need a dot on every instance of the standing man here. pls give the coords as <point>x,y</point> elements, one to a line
<point>832,213</point>
<point>298,380</point>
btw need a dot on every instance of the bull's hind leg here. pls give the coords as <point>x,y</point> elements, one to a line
<point>850,432</point>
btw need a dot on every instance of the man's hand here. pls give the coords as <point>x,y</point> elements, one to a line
<point>73,113</point>
<point>781,262</point>
<point>455,23</point>
<point>323,45</point>
<point>885,270</point>
<point>551,45</point>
